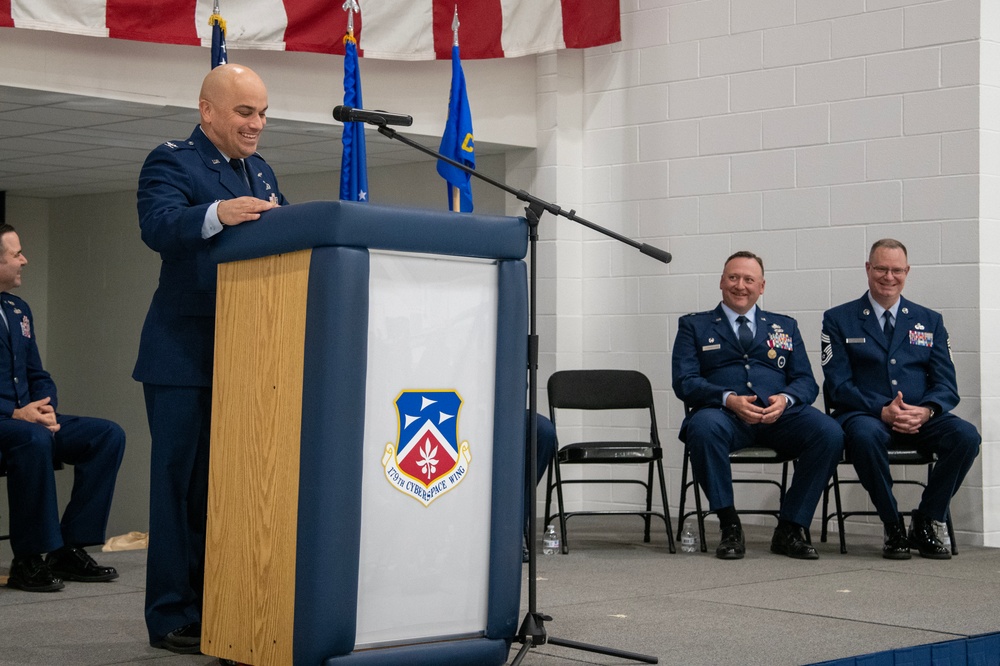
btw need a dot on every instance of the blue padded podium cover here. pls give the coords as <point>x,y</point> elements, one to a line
<point>326,568</point>
<point>321,223</point>
<point>508,457</point>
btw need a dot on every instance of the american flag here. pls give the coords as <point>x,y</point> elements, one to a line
<point>387,29</point>
<point>219,55</point>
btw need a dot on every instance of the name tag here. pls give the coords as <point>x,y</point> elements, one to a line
<point>711,347</point>
<point>855,341</point>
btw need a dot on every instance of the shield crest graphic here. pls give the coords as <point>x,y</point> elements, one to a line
<point>427,459</point>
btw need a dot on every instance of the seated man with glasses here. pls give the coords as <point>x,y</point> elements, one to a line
<point>891,381</point>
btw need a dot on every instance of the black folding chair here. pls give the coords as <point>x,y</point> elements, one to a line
<point>606,390</point>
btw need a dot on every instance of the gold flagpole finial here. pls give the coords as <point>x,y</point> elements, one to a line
<point>454,26</point>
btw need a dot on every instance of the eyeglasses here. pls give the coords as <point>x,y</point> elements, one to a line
<point>881,271</point>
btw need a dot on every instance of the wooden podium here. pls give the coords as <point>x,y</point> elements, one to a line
<point>367,461</point>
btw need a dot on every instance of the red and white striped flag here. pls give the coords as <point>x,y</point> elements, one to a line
<point>386,29</point>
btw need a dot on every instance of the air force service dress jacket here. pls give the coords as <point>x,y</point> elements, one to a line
<point>22,377</point>
<point>864,371</point>
<point>177,184</point>
<point>709,361</point>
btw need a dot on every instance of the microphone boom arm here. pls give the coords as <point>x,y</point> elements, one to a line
<point>536,204</point>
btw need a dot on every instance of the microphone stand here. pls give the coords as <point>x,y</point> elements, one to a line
<point>532,632</point>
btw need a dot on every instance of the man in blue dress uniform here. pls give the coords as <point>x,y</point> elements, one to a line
<point>33,436</point>
<point>891,382</point>
<point>190,191</point>
<point>745,380</point>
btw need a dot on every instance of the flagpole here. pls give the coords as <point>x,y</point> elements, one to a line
<point>218,52</point>
<point>457,139</point>
<point>354,161</point>
<point>456,194</point>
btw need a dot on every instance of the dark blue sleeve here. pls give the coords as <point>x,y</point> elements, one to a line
<point>40,384</point>
<point>171,212</point>
<point>688,382</point>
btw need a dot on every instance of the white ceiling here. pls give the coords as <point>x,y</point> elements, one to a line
<point>57,144</point>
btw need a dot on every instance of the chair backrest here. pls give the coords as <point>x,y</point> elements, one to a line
<point>600,389</point>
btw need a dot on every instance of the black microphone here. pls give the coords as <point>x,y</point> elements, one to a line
<point>347,114</point>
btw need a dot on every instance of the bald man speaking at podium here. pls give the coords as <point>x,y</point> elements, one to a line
<point>190,192</point>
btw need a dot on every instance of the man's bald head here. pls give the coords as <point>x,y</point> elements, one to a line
<point>233,106</point>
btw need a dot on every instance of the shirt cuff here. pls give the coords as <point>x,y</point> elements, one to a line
<point>211,225</point>
<point>790,399</point>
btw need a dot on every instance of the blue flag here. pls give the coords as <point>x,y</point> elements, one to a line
<point>353,162</point>
<point>457,141</point>
<point>219,56</point>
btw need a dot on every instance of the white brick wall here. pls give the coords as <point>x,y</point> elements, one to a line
<point>803,130</point>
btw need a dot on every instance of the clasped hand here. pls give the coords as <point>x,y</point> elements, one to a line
<point>748,411</point>
<point>40,412</point>
<point>904,418</point>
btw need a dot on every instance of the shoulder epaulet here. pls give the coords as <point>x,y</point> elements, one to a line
<point>694,314</point>
<point>774,315</point>
<point>181,144</point>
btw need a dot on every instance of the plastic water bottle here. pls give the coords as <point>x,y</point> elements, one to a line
<point>689,541</point>
<point>550,541</point>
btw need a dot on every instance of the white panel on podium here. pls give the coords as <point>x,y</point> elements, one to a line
<point>424,563</point>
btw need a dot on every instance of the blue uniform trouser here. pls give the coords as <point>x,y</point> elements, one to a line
<point>956,443</point>
<point>802,431</point>
<point>94,447</point>
<point>543,457</point>
<point>179,426</point>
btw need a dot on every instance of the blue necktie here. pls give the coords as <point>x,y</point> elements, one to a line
<point>745,335</point>
<point>241,171</point>
<point>888,328</point>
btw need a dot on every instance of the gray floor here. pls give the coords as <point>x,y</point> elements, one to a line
<point>612,590</point>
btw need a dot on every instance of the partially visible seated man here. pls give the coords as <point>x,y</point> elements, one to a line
<point>745,379</point>
<point>32,436</point>
<point>891,382</point>
<point>543,457</point>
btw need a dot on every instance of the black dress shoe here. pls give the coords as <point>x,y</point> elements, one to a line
<point>186,640</point>
<point>924,539</point>
<point>72,563</point>
<point>793,541</point>
<point>897,546</point>
<point>31,574</point>
<point>732,546</point>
